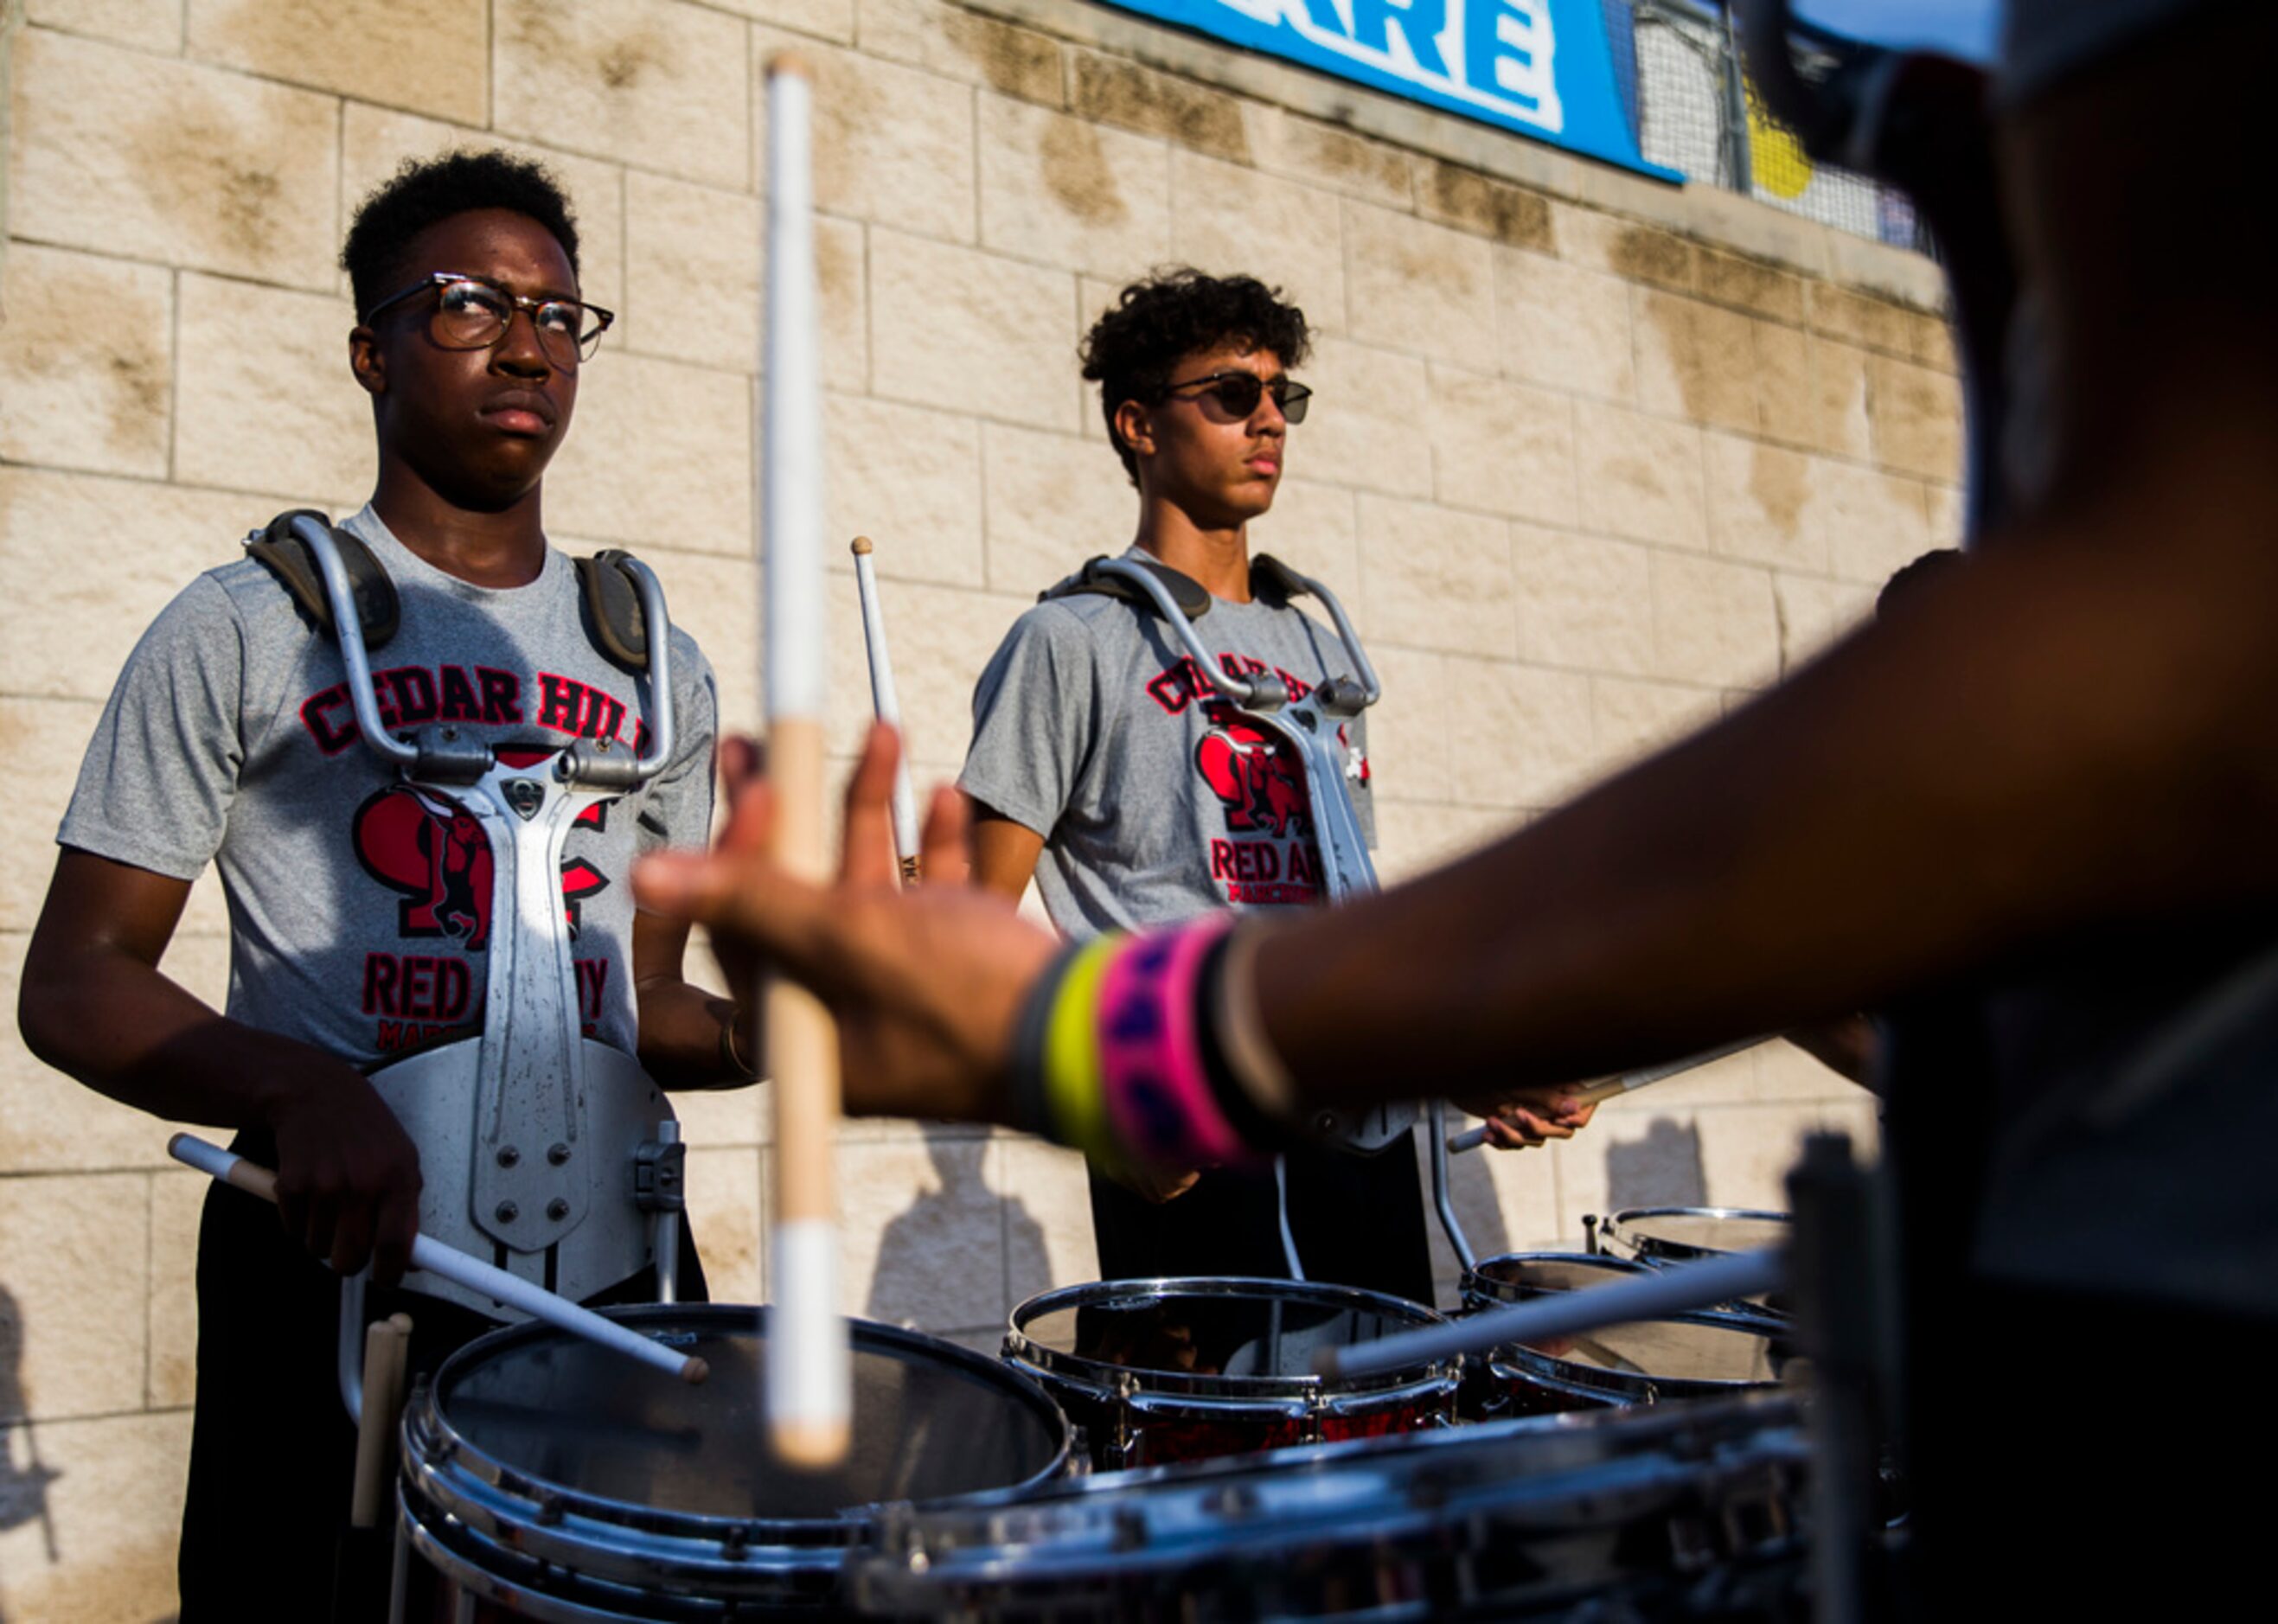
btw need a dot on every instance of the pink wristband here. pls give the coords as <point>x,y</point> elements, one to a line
<point>1159,1097</point>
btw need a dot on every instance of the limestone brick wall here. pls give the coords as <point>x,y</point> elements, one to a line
<point>1591,460</point>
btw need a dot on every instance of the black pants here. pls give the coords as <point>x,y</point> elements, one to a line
<point>271,1449</point>
<point>1357,1220</point>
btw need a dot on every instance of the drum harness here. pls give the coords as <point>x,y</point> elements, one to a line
<point>551,1153</point>
<point>1310,727</point>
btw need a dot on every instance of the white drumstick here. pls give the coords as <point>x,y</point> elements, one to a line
<point>451,1264</point>
<point>1611,1087</point>
<point>810,1383</point>
<point>1665,1292</point>
<point>887,705</point>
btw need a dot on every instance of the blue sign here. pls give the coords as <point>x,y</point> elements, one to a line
<point>1541,67</point>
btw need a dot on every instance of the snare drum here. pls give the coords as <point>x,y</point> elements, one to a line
<point>1688,1513</point>
<point>546,1478</point>
<point>1191,1368</point>
<point>1662,1237</point>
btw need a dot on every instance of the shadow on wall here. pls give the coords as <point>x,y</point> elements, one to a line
<point>931,1253</point>
<point>1660,1170</point>
<point>23,1480</point>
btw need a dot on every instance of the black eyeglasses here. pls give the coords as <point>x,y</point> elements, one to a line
<point>1239,392</point>
<point>472,313</point>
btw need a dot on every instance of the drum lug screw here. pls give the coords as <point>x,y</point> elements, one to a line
<point>557,1209</point>
<point>507,1155</point>
<point>557,1154</point>
<point>507,1212</point>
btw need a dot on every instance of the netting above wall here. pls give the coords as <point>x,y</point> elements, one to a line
<point>1682,79</point>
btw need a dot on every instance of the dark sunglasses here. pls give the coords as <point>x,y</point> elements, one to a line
<point>1239,392</point>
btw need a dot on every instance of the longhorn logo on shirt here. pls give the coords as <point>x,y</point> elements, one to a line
<point>1251,772</point>
<point>435,855</point>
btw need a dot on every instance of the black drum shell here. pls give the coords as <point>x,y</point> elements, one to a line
<point>485,1523</point>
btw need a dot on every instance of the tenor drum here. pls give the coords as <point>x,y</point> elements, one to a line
<point>1683,1512</point>
<point>1187,1369</point>
<point>545,1478</point>
<point>1597,1371</point>
<point>1663,1236</point>
<point>1644,1361</point>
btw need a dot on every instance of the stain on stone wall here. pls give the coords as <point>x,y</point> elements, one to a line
<point>214,176</point>
<point>1645,254</point>
<point>1138,98</point>
<point>1077,174</point>
<point>1779,482</point>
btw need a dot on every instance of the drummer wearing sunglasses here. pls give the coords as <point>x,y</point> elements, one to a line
<point>1106,770</point>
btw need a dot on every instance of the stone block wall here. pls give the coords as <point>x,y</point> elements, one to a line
<point>1591,460</point>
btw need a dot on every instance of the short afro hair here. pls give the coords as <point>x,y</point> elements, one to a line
<point>425,192</point>
<point>1158,321</point>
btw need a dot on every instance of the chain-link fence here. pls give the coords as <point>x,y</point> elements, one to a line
<point>1679,66</point>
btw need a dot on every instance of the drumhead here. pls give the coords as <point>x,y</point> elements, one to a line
<point>564,1482</point>
<point>1649,1359</point>
<point>931,1421</point>
<point>1675,1234</point>
<point>1207,1336</point>
<point>1516,1277</point>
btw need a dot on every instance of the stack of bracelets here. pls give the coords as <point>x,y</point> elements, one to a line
<point>1147,1050</point>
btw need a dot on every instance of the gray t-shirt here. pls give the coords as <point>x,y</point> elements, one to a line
<point>1092,729</point>
<point>360,910</point>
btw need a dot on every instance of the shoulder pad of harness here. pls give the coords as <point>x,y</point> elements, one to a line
<point>1270,577</point>
<point>611,607</point>
<point>289,559</point>
<point>1185,592</point>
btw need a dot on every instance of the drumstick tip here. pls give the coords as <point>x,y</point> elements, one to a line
<point>862,546</point>
<point>789,63</point>
<point>810,1445</point>
<point>694,1370</point>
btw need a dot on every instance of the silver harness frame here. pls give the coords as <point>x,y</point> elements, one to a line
<point>1310,726</point>
<point>551,1155</point>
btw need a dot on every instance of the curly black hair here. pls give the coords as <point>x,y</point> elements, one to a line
<point>1156,322</point>
<point>426,191</point>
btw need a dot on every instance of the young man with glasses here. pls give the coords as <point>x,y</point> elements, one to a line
<point>1103,766</point>
<point>358,909</point>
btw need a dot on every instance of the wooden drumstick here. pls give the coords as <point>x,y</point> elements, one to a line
<point>385,1350</point>
<point>888,706</point>
<point>809,1381</point>
<point>451,1264</point>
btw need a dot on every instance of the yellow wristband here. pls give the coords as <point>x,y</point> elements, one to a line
<point>1074,1092</point>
